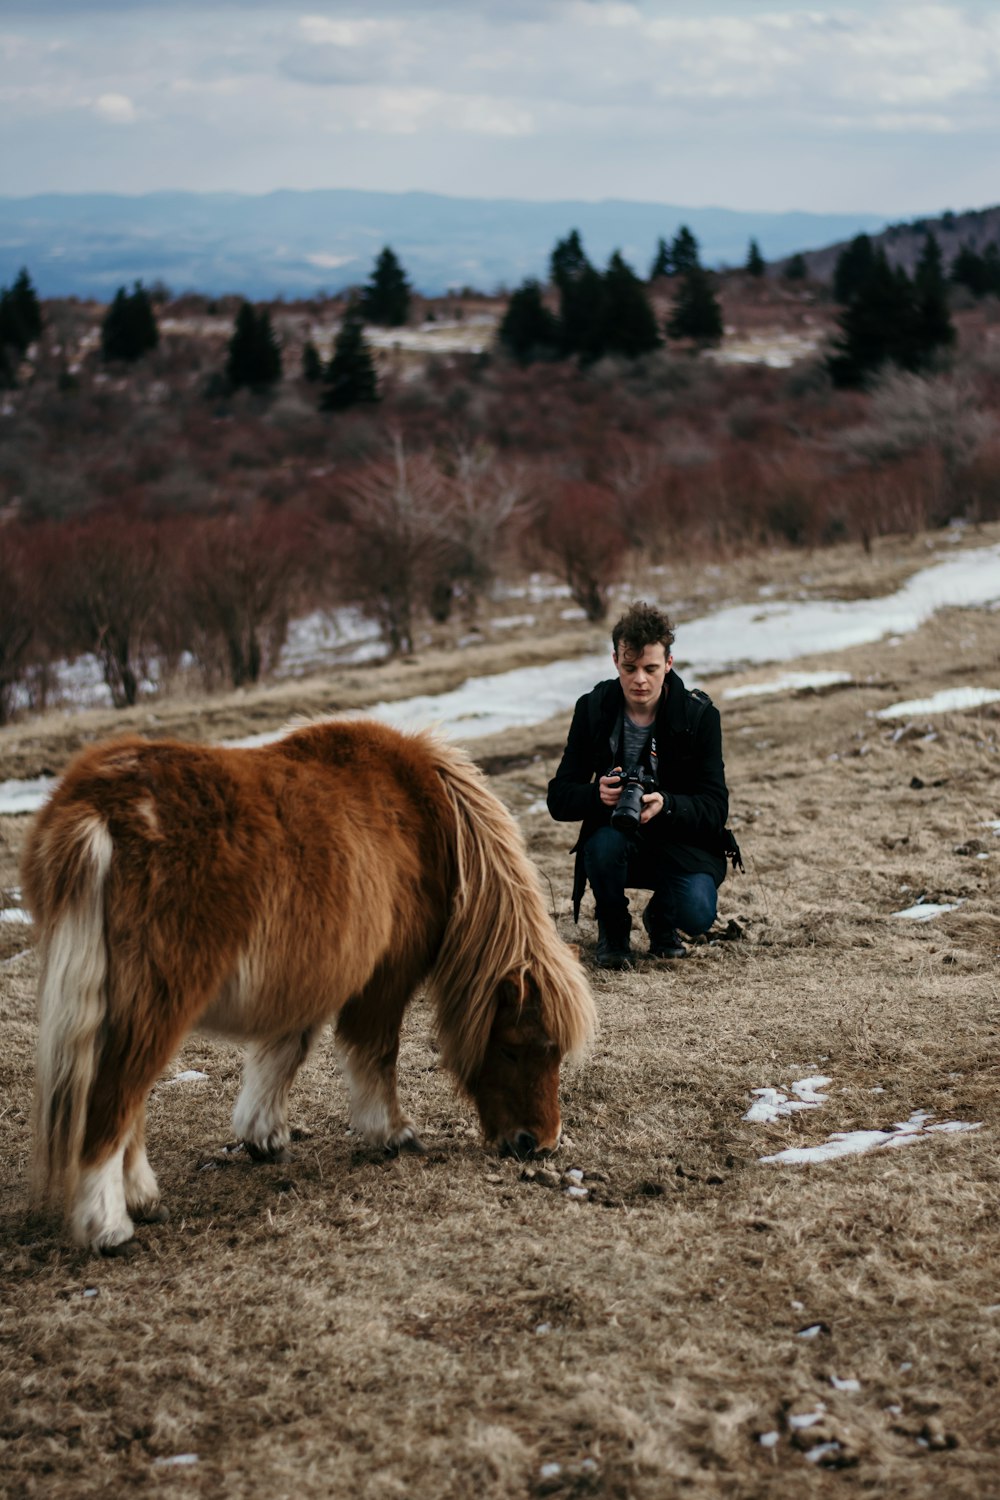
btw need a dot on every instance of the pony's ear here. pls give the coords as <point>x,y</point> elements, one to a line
<point>517,995</point>
<point>510,993</point>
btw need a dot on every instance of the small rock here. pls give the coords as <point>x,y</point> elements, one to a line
<point>577,1192</point>
<point>545,1177</point>
<point>934,1434</point>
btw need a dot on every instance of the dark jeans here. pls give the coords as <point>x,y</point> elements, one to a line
<point>678,900</point>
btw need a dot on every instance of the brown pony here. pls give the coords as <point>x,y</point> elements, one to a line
<point>257,893</point>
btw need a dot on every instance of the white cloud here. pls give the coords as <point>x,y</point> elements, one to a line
<point>117,109</point>
<point>686,101</point>
<point>405,111</point>
<point>326,262</point>
<point>325,31</point>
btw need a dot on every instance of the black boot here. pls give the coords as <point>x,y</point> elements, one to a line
<point>664,941</point>
<point>614,949</point>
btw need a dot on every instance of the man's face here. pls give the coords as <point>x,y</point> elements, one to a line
<point>642,674</point>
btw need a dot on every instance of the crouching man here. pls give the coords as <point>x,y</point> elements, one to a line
<point>670,834</point>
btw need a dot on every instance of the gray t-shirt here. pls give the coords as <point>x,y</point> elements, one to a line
<point>636,738</point>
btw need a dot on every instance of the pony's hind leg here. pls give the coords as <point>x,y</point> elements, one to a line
<point>142,1192</point>
<point>115,1179</point>
<point>368,1044</point>
<point>260,1117</point>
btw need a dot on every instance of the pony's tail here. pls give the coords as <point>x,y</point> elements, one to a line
<point>72,1003</point>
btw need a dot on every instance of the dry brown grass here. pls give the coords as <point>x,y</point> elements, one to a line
<point>350,1324</point>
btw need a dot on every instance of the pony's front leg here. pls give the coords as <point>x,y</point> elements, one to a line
<point>374,1103</point>
<point>368,1045</point>
<point>260,1114</point>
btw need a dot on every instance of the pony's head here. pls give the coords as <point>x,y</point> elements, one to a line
<point>516,1087</point>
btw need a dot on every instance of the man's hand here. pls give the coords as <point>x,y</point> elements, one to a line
<point>610,788</point>
<point>652,803</point>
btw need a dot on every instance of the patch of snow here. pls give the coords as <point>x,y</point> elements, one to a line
<point>790,682</point>
<point>25,796</point>
<point>801,1420</point>
<point>924,911</point>
<point>771,1104</point>
<point>858,1142</point>
<point>845,1385</point>
<point>15,914</point>
<point>191,1075</point>
<point>508,622</point>
<point>769,1439</point>
<point>344,636</point>
<point>821,1451</point>
<point>949,700</point>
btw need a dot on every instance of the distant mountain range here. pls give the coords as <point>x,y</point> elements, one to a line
<point>903,243</point>
<point>294,244</point>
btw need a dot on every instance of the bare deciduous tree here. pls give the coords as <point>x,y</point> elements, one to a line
<point>105,587</point>
<point>581,534</point>
<point>396,537</point>
<point>238,580</point>
<point>482,504</point>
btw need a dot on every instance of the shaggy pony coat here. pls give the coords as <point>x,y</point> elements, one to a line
<point>258,893</point>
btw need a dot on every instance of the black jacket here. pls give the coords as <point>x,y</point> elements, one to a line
<point>690,769</point>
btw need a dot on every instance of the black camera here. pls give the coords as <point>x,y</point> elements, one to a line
<point>633,782</point>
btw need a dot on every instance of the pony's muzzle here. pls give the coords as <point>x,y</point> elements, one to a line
<point>524,1145</point>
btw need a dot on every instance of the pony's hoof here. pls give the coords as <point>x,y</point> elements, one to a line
<point>153,1213</point>
<point>279,1154</point>
<point>124,1250</point>
<point>406,1140</point>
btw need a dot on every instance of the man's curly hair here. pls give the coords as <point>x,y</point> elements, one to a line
<point>640,626</point>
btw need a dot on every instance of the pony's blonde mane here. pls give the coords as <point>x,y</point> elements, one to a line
<point>498,928</point>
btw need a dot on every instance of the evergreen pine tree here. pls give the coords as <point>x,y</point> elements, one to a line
<point>755,261</point>
<point>254,353</point>
<point>28,307</point>
<point>852,268</point>
<point>934,329</point>
<point>350,376</point>
<point>662,262</point>
<point>980,273</point>
<point>696,313</point>
<point>580,293</point>
<point>684,255</point>
<point>796,269</point>
<point>13,334</point>
<point>627,324</point>
<point>991,269</point>
<point>568,261</point>
<point>878,326</point>
<point>129,328</point>
<point>529,331</point>
<point>312,365</point>
<point>386,298</point>
<point>581,301</point>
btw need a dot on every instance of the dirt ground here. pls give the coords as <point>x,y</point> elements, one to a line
<point>446,1326</point>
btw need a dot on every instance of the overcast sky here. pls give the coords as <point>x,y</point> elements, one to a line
<point>881,106</point>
